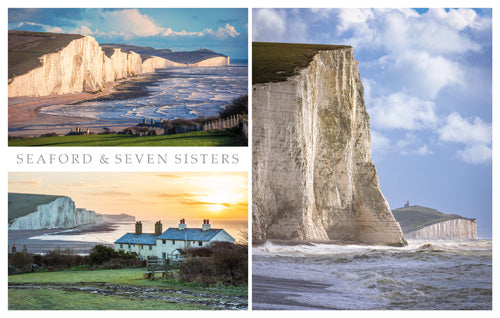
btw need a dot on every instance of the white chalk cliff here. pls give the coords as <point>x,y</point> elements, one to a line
<point>82,66</point>
<point>313,178</point>
<point>456,229</point>
<point>60,213</point>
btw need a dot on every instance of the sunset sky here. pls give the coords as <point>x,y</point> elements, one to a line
<point>148,196</point>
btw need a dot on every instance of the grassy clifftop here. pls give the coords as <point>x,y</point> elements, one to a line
<point>21,204</point>
<point>275,62</point>
<point>25,48</point>
<point>417,217</point>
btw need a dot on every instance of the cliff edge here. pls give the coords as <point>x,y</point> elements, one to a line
<point>418,222</point>
<point>42,64</point>
<point>36,211</point>
<point>313,178</point>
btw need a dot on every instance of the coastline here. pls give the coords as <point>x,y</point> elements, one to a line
<point>23,237</point>
<point>25,119</point>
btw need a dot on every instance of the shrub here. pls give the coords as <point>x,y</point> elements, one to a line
<point>238,105</point>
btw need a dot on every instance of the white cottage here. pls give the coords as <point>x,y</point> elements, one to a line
<point>171,244</point>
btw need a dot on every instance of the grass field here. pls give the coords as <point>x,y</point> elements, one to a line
<point>224,138</point>
<point>77,290</point>
<point>416,217</point>
<point>275,62</point>
<point>46,299</point>
<point>21,204</point>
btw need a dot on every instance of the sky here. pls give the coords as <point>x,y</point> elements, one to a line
<point>221,30</point>
<point>146,195</point>
<point>427,77</point>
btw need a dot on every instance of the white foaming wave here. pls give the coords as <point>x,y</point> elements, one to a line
<point>305,250</point>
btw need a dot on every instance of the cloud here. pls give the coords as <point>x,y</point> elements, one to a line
<point>223,32</point>
<point>461,130</point>
<point>267,25</point>
<point>380,143</point>
<point>131,21</point>
<point>474,133</point>
<point>402,111</point>
<point>475,154</point>
<point>170,32</point>
<point>84,30</point>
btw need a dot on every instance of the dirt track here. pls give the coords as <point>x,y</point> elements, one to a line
<point>218,302</point>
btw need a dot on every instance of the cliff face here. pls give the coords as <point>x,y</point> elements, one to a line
<point>457,229</point>
<point>60,213</point>
<point>82,66</point>
<point>313,178</point>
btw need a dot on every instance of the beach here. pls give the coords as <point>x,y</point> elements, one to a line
<point>24,237</point>
<point>25,118</point>
<point>181,92</point>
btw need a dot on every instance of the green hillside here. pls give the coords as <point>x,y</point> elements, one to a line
<point>25,48</point>
<point>275,62</point>
<point>21,204</point>
<point>146,52</point>
<point>416,217</point>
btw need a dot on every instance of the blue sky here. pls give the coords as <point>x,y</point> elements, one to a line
<point>427,76</point>
<point>222,30</point>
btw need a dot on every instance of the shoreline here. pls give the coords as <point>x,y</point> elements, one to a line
<point>23,237</point>
<point>25,120</point>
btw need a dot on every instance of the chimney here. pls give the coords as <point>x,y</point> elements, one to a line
<point>158,229</point>
<point>152,121</point>
<point>206,225</point>
<point>144,121</point>
<point>138,228</point>
<point>182,224</point>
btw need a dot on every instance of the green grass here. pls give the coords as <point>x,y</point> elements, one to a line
<point>25,56</point>
<point>46,299</point>
<point>275,62</point>
<point>21,204</point>
<point>192,139</point>
<point>416,217</point>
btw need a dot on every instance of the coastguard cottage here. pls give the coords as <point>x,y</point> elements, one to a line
<point>171,244</point>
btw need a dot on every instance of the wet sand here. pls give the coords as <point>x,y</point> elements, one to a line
<point>269,293</point>
<point>25,119</point>
<point>23,237</point>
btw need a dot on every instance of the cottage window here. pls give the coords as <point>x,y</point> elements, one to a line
<point>200,243</point>
<point>173,241</point>
<point>150,247</point>
<point>121,245</point>
<point>142,247</point>
<point>164,241</point>
<point>128,245</point>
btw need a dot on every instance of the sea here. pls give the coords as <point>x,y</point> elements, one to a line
<point>81,240</point>
<point>178,92</point>
<point>425,275</point>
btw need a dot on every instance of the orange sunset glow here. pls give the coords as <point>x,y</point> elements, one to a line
<point>173,195</point>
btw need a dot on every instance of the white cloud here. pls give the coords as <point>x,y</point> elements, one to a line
<point>170,32</point>
<point>402,111</point>
<point>131,21</point>
<point>475,134</point>
<point>84,30</point>
<point>460,18</point>
<point>475,154</point>
<point>223,32</point>
<point>267,25</point>
<point>380,143</point>
<point>458,129</point>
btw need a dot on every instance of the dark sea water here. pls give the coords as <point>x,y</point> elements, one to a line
<point>445,275</point>
<point>179,92</point>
